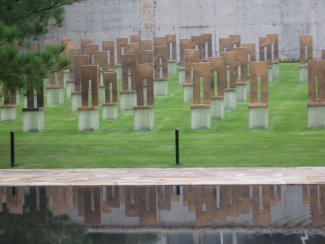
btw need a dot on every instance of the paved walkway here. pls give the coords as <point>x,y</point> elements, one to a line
<point>149,176</point>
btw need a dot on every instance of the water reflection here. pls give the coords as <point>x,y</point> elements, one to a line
<point>203,237</point>
<point>20,221</point>
<point>165,206</point>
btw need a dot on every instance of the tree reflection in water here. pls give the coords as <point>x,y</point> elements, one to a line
<point>26,228</point>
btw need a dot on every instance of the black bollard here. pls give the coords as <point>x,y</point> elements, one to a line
<point>177,145</point>
<point>13,191</point>
<point>178,190</point>
<point>12,149</point>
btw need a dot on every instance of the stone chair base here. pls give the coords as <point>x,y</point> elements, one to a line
<point>160,87</point>
<point>69,88</point>
<point>275,71</point>
<point>188,92</point>
<point>316,115</point>
<point>241,92</point>
<point>172,68</point>
<point>144,118</point>
<point>88,118</point>
<point>181,75</point>
<point>8,113</point>
<point>33,119</point>
<point>200,117</point>
<point>303,77</point>
<point>110,111</point>
<point>54,95</point>
<point>75,101</point>
<point>217,108</point>
<point>128,99</point>
<point>258,116</point>
<point>230,99</point>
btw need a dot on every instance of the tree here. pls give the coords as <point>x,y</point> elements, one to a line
<point>22,22</point>
<point>15,228</point>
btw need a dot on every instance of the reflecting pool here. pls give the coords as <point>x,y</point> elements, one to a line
<point>163,214</point>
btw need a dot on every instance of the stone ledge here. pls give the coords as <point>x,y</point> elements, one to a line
<point>188,84</point>
<point>76,93</point>
<point>32,109</point>
<point>8,106</point>
<point>143,107</point>
<point>168,176</point>
<point>229,89</point>
<point>241,83</point>
<point>217,98</point>
<point>87,108</point>
<point>258,105</point>
<point>55,87</point>
<point>194,106</point>
<point>127,92</point>
<point>109,104</point>
<point>316,104</point>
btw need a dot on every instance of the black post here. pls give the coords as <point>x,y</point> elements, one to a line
<point>178,190</point>
<point>12,148</point>
<point>177,145</point>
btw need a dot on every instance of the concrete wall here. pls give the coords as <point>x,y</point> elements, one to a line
<point>109,19</point>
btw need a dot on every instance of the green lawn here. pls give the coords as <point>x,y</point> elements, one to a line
<point>287,142</point>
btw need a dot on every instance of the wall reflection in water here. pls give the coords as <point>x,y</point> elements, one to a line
<point>202,237</point>
<point>226,206</point>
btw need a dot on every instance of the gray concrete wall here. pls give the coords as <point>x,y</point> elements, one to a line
<point>109,19</point>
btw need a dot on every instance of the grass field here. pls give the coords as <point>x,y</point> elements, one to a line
<point>287,142</point>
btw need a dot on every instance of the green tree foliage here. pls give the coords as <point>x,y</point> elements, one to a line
<point>24,228</point>
<point>22,22</point>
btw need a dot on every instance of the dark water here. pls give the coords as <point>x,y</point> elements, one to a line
<point>208,238</point>
<point>65,214</point>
